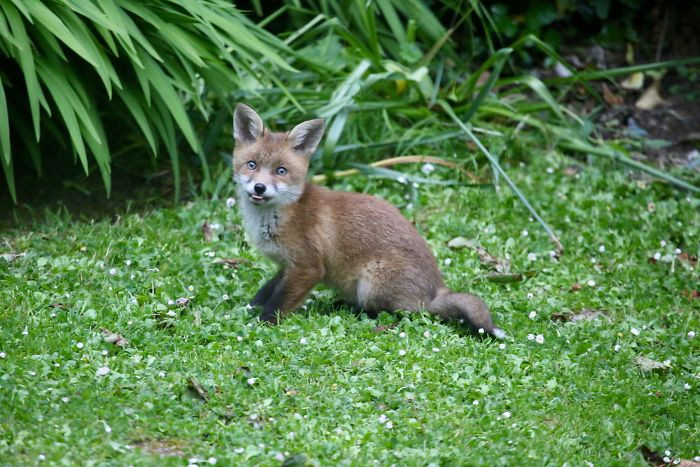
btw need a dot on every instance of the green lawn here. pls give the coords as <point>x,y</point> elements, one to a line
<point>339,388</point>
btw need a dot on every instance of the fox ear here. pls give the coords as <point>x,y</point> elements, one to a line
<point>247,125</point>
<point>304,138</point>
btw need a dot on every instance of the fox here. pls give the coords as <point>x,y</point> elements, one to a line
<point>359,245</point>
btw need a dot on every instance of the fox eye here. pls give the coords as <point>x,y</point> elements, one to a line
<point>281,171</point>
<point>252,165</point>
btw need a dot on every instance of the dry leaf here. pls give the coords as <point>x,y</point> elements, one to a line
<point>576,287</point>
<point>291,392</point>
<point>572,170</point>
<point>610,97</point>
<point>61,306</point>
<point>651,98</point>
<point>483,78</point>
<point>460,242</point>
<point>114,338</point>
<point>690,259</point>
<point>583,315</point>
<point>233,262</point>
<point>197,388</point>
<point>207,231</point>
<point>382,328</point>
<point>162,448</point>
<point>485,257</point>
<point>691,294</point>
<point>634,82</point>
<point>10,257</point>
<point>647,364</point>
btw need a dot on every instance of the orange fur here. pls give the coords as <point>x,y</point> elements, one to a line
<point>358,244</point>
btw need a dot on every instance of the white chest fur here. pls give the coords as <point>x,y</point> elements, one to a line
<point>262,225</point>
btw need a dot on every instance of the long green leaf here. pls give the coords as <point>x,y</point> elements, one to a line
<point>5,147</point>
<point>497,166</point>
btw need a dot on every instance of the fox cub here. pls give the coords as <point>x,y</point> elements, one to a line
<point>358,244</point>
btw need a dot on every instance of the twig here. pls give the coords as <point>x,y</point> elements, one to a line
<point>419,159</point>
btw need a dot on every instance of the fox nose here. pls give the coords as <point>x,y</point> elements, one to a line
<point>259,188</point>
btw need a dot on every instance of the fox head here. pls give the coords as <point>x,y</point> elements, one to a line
<point>270,168</point>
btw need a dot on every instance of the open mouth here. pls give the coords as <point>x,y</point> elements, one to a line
<point>257,199</point>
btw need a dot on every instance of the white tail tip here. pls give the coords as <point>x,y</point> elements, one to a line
<point>498,333</point>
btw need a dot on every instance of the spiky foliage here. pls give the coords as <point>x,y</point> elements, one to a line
<point>89,77</point>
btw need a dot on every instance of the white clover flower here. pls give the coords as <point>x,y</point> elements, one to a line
<point>634,331</point>
<point>279,457</point>
<point>239,338</point>
<point>667,362</point>
<point>539,338</point>
<point>80,345</point>
<point>389,425</point>
<point>502,346</point>
<point>53,315</point>
<point>448,261</point>
<point>171,313</point>
<point>662,243</point>
<point>190,288</point>
<point>402,352</point>
<point>475,402</point>
<point>667,453</point>
<point>171,302</point>
<point>657,256</point>
<point>531,257</point>
<point>224,297</point>
<point>291,435</point>
<point>591,283</point>
<point>677,251</point>
<point>129,322</point>
<point>401,179</point>
<point>25,331</point>
<point>102,371</point>
<point>530,337</point>
<point>524,233</point>
<point>593,260</point>
<point>426,334</point>
<point>382,418</point>
<point>108,429</point>
<point>402,334</point>
<point>161,374</point>
<point>436,349</point>
<point>212,460</point>
<point>550,170</point>
<point>132,276</point>
<point>112,271</point>
<point>616,348</point>
<point>667,459</point>
<point>601,248</point>
<point>691,334</point>
<point>215,226</point>
<point>65,399</point>
<point>506,414</point>
<point>104,352</point>
<point>303,341</point>
<point>552,254</point>
<point>530,296</point>
<point>415,185</point>
<point>127,262</point>
<point>210,254</point>
<point>230,202</point>
<point>41,457</point>
<point>239,450</point>
<point>252,381</point>
<point>427,168</point>
<point>532,315</point>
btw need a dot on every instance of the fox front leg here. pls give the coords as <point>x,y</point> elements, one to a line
<point>290,291</point>
<point>266,291</point>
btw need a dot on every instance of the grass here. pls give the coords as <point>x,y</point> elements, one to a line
<point>324,383</point>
